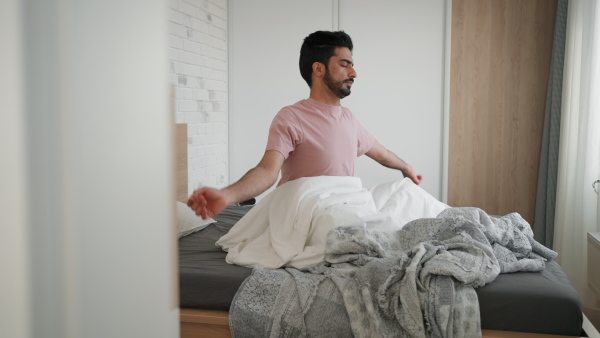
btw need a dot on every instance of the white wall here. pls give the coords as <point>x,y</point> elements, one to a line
<point>91,194</point>
<point>399,52</point>
<point>198,72</point>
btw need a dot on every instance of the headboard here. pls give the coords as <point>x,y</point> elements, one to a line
<point>181,163</point>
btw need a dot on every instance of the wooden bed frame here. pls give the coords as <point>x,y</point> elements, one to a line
<point>196,323</point>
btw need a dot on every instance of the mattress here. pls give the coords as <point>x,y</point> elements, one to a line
<point>206,281</point>
<point>537,302</point>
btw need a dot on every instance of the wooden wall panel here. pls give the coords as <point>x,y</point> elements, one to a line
<point>181,163</point>
<point>500,60</point>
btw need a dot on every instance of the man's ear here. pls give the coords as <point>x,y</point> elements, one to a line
<point>318,69</point>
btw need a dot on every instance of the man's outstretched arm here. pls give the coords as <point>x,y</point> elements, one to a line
<point>388,159</point>
<point>209,202</point>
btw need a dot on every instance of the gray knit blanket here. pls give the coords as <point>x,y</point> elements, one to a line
<point>416,282</point>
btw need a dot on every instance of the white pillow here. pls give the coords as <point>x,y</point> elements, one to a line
<point>188,222</point>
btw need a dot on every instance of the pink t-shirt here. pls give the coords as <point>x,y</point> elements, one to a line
<point>317,139</point>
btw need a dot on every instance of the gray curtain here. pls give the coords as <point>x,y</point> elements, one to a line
<point>545,206</point>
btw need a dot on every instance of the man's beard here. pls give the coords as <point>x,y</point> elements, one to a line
<point>337,87</point>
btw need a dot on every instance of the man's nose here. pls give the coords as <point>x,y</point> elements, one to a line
<point>352,73</point>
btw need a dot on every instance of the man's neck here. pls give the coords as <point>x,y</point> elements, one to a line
<point>323,97</point>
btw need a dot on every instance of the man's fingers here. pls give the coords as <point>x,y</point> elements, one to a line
<point>203,213</point>
<point>191,201</point>
<point>200,210</point>
<point>417,179</point>
<point>197,202</point>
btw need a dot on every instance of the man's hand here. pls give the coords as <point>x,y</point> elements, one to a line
<point>208,202</point>
<point>410,173</point>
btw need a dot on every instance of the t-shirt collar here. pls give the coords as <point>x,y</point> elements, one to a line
<point>323,106</point>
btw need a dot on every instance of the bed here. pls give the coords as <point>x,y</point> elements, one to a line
<point>523,304</point>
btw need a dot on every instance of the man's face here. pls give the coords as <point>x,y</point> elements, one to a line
<point>340,73</point>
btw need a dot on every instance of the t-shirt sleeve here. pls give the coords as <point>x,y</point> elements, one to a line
<point>285,133</point>
<point>364,138</point>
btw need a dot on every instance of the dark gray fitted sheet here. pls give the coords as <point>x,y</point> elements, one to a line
<point>537,302</point>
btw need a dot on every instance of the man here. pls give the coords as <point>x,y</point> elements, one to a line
<point>313,137</point>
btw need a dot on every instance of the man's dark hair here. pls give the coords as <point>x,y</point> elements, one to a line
<point>320,47</point>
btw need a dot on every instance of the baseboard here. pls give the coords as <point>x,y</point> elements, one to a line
<point>589,329</point>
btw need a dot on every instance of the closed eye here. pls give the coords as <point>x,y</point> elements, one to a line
<point>346,62</point>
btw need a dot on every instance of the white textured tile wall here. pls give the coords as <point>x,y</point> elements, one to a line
<point>198,71</point>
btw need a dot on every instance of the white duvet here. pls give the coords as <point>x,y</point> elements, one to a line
<point>289,226</point>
